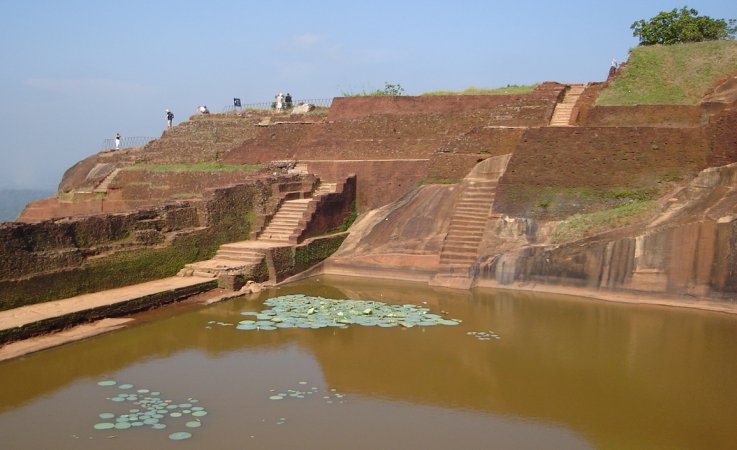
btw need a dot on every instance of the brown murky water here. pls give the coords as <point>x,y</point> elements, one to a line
<point>566,373</point>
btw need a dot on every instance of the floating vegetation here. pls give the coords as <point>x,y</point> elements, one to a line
<point>330,397</point>
<point>150,410</point>
<point>484,335</point>
<point>301,311</point>
<point>180,436</point>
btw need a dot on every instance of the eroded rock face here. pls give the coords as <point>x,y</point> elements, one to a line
<point>689,249</point>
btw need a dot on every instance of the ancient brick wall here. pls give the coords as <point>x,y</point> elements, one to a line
<point>164,186</point>
<point>643,116</point>
<point>722,131</point>
<point>454,160</point>
<point>634,159</point>
<point>51,259</point>
<point>377,182</point>
<point>526,109</point>
<point>332,210</point>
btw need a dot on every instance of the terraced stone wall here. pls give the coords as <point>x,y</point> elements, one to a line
<point>643,116</point>
<point>634,160</point>
<point>157,187</point>
<point>377,182</point>
<point>453,161</point>
<point>722,132</point>
<point>523,110</point>
<point>202,138</point>
<point>49,245</point>
<point>52,259</point>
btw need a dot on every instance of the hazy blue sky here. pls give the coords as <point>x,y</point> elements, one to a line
<point>74,72</point>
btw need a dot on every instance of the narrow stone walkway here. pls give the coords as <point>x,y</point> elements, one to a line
<point>562,115</point>
<point>19,317</point>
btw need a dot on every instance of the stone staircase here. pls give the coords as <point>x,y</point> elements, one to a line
<point>291,218</point>
<point>468,223</point>
<point>234,258</point>
<point>562,115</point>
<point>246,257</point>
<point>105,183</point>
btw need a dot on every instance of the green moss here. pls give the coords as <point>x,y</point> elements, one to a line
<point>671,74</point>
<point>556,202</point>
<point>582,225</point>
<point>307,255</point>
<point>349,219</point>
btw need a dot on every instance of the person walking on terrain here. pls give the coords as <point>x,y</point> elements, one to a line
<point>169,118</point>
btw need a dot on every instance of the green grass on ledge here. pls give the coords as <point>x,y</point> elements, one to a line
<point>581,225</point>
<point>198,167</point>
<point>678,74</point>
<point>507,90</point>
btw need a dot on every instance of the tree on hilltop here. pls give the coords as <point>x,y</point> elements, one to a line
<point>682,25</point>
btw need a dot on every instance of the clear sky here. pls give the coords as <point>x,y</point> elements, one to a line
<point>75,72</point>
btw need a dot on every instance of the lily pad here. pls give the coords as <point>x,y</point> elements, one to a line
<point>104,426</point>
<point>193,424</point>
<point>180,436</point>
<point>106,415</point>
<point>107,383</point>
<point>199,413</point>
<point>125,386</point>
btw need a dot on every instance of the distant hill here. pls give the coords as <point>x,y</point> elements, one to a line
<point>12,201</point>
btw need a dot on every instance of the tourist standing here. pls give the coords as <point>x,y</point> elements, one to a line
<point>288,101</point>
<point>169,118</point>
<point>117,141</point>
<point>279,101</point>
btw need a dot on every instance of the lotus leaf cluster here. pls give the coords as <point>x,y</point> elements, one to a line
<point>302,311</point>
<point>149,410</point>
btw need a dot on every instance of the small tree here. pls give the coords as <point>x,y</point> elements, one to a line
<point>390,89</point>
<point>682,25</point>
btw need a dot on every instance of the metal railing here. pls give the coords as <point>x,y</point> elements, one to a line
<point>321,102</point>
<point>126,142</point>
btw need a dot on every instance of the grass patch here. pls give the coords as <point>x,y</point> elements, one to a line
<point>581,225</point>
<point>506,90</point>
<point>199,167</point>
<point>187,195</point>
<point>678,74</point>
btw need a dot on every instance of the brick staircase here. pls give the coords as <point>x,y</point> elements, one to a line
<point>291,218</point>
<point>468,223</point>
<point>283,230</point>
<point>105,183</point>
<point>562,115</point>
<point>238,257</point>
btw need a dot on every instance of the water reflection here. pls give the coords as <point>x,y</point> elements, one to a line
<point>579,372</point>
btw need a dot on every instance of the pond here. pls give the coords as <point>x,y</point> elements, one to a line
<point>514,371</point>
